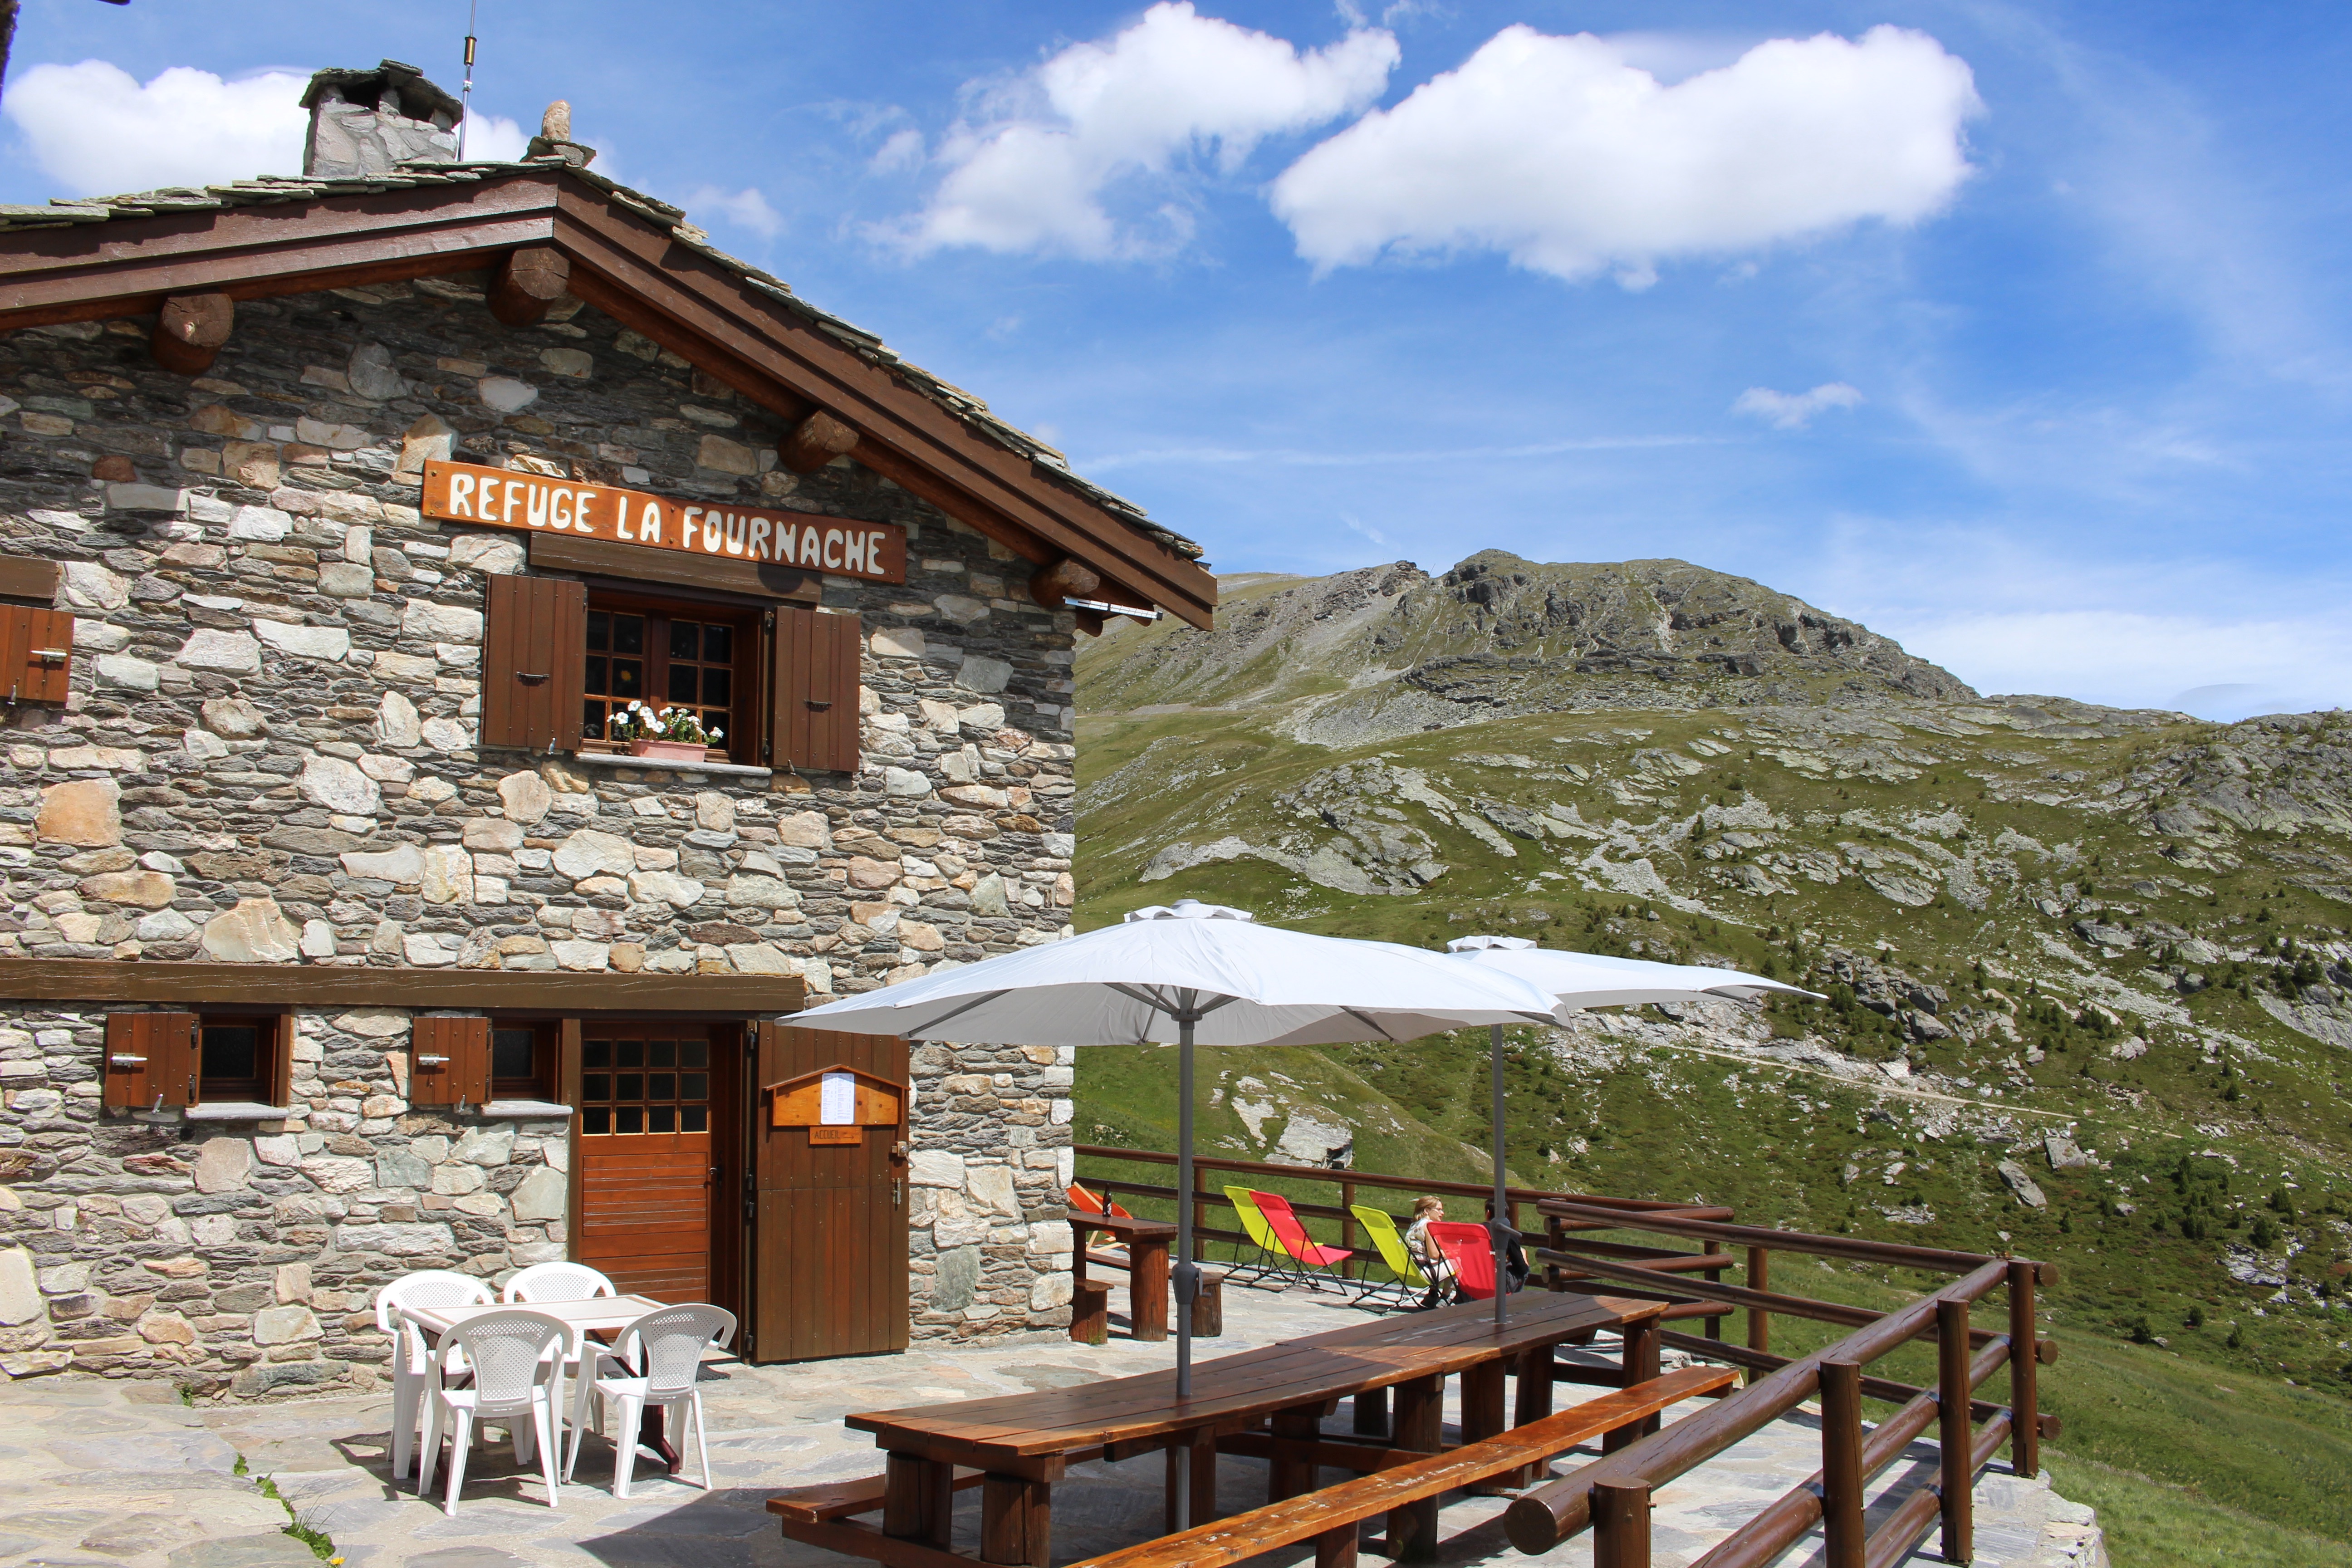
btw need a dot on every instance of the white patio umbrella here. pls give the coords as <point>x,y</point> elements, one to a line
<point>1576,981</point>
<point>1197,974</point>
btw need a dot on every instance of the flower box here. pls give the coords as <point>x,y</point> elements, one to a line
<point>672,750</point>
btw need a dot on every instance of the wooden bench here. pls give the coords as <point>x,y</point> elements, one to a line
<point>829,1500</point>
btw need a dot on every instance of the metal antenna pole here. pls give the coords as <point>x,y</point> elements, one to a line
<point>466,97</point>
<point>1502,1212</point>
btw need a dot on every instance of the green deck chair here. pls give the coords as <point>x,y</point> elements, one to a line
<point>1270,1258</point>
<point>1379,1225</point>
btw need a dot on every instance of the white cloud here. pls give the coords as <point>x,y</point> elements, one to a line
<point>904,150</point>
<point>95,130</point>
<point>1174,86</point>
<point>746,208</point>
<point>1569,159</point>
<point>1794,410</point>
<point>493,138</point>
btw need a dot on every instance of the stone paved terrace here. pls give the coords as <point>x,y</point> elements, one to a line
<point>122,1474</point>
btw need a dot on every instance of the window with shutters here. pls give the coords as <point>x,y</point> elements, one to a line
<point>244,1059</point>
<point>523,1061</point>
<point>778,684</point>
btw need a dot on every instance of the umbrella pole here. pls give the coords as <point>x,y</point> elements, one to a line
<point>1188,1277</point>
<point>1502,1210</point>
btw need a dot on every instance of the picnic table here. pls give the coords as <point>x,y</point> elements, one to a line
<point>1147,1243</point>
<point>1267,1403</point>
<point>599,1316</point>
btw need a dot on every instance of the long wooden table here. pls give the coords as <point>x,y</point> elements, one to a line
<point>1147,1242</point>
<point>1265,1403</point>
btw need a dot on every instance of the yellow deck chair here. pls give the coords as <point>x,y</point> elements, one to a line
<point>1380,1226</point>
<point>1270,1258</point>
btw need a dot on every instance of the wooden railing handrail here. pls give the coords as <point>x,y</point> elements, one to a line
<point>1374,1179</point>
<point>1890,1252</point>
<point>1544,1516</point>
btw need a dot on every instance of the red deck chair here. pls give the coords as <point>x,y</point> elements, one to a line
<point>1471,1251</point>
<point>1312,1256</point>
<point>1085,1202</point>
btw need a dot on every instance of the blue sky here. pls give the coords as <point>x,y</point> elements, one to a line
<point>2017,333</point>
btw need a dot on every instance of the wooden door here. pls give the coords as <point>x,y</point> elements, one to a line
<point>829,1222</point>
<point>653,1101</point>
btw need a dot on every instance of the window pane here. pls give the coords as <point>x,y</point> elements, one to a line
<point>596,1054</point>
<point>682,682</point>
<point>659,1118</point>
<point>693,1119</point>
<point>599,674</point>
<point>661,1054</point>
<point>628,680</point>
<point>685,640</point>
<point>512,1051</point>
<point>694,1086</point>
<point>596,1119</point>
<point>596,1086</point>
<point>231,1051</point>
<point>717,686</point>
<point>719,645</point>
<point>592,720</point>
<point>628,633</point>
<point>629,1086</point>
<point>600,630</point>
<point>628,1119</point>
<point>629,1053</point>
<point>694,1052</point>
<point>661,1085</point>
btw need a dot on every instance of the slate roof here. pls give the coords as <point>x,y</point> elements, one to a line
<point>272,190</point>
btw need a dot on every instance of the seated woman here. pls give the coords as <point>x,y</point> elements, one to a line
<point>1427,1255</point>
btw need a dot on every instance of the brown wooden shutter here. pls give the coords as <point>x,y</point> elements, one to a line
<point>534,662</point>
<point>148,1055</point>
<point>450,1060</point>
<point>278,1064</point>
<point>35,653</point>
<point>814,685</point>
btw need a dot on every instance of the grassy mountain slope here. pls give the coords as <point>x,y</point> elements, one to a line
<point>2106,950</point>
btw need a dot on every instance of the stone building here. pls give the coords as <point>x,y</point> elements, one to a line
<point>337,514</point>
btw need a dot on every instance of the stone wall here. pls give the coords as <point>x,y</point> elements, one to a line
<point>269,757</point>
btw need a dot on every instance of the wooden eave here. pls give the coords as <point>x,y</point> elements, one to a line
<point>552,992</point>
<point>679,294</point>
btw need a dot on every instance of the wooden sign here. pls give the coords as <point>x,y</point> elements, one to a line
<point>506,498</point>
<point>837,1104</point>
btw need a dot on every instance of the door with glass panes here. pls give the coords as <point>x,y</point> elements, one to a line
<point>650,1095</point>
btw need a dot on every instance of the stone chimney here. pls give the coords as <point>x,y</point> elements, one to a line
<point>367,121</point>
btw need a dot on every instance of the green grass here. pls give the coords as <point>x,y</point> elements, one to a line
<point>2151,1524</point>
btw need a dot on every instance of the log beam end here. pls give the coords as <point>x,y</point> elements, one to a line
<point>814,442</point>
<point>530,282</point>
<point>190,331</point>
<point>1065,579</point>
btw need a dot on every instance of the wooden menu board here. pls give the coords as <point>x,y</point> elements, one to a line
<point>837,1104</point>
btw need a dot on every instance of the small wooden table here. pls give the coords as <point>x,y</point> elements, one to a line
<point>1147,1242</point>
<point>601,1316</point>
<point>1265,1403</point>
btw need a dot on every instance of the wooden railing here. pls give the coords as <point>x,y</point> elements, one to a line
<point>1612,1495</point>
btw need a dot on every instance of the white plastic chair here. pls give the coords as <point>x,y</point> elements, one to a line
<point>411,1359</point>
<point>516,1356</point>
<point>558,1282</point>
<point>666,1346</point>
<point>566,1282</point>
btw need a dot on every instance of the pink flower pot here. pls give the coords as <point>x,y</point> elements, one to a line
<point>672,750</point>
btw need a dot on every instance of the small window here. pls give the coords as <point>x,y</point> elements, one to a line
<point>522,1061</point>
<point>644,1086</point>
<point>691,657</point>
<point>241,1060</point>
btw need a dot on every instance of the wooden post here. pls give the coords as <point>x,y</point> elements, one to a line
<point>1016,1521</point>
<point>1621,1517</point>
<point>1146,1290</point>
<point>1842,1494</point>
<point>1336,1547</point>
<point>1420,1426</point>
<point>1348,1227</point>
<point>1714,1322</point>
<point>918,1499</point>
<point>190,331</point>
<point>1202,1472</point>
<point>1372,1412</point>
<point>1954,1433</point>
<point>1482,1412</point>
<point>528,283</point>
<point>2024,1398</point>
<point>1760,1321</point>
<point>1533,1402</point>
<point>1555,1234</point>
<point>1287,1476</point>
<point>1641,1364</point>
